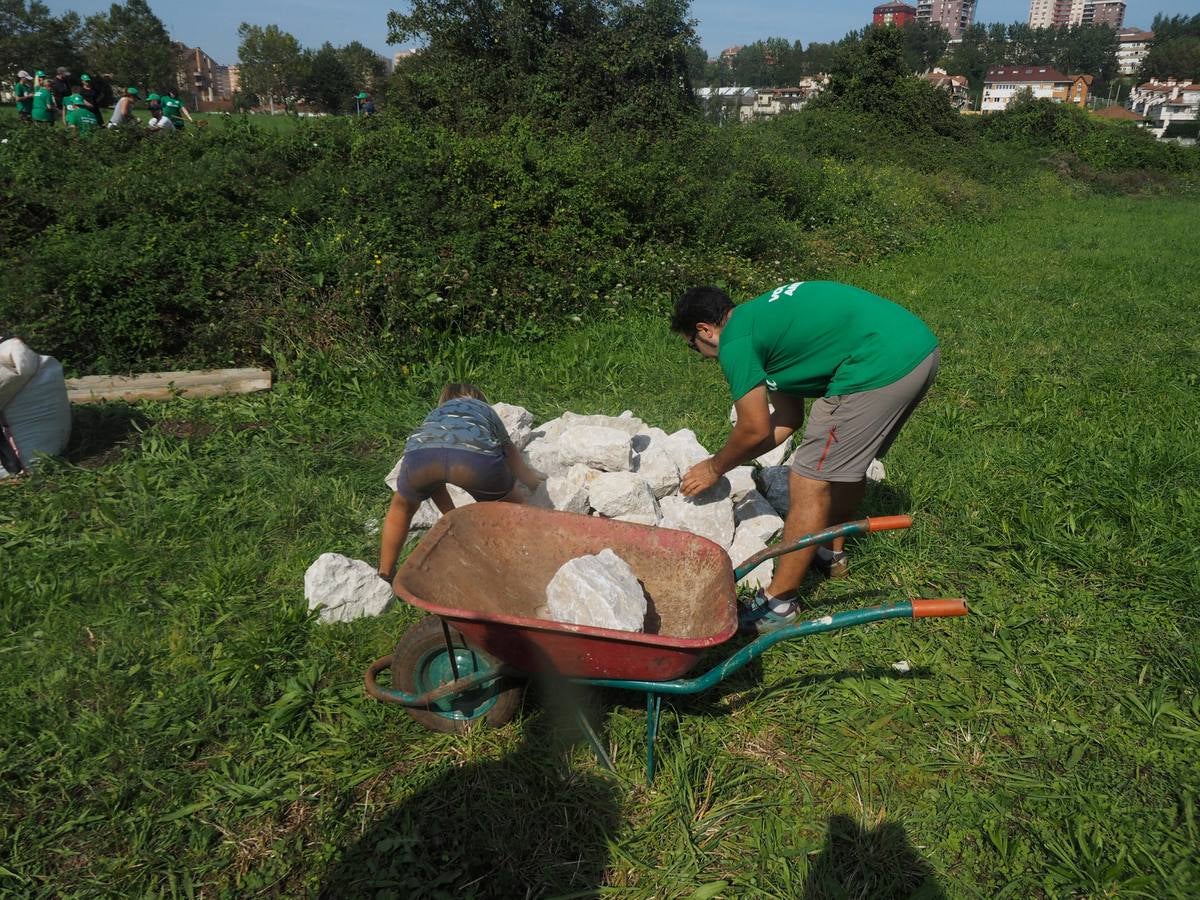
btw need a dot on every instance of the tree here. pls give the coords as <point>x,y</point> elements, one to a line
<point>132,43</point>
<point>924,44</point>
<point>575,62</point>
<point>328,83</point>
<point>31,38</point>
<point>365,67</point>
<point>818,58</point>
<point>271,62</point>
<point>1175,50</point>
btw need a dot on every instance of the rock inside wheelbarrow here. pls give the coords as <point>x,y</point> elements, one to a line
<point>599,590</point>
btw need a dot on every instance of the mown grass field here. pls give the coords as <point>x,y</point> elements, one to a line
<point>174,722</point>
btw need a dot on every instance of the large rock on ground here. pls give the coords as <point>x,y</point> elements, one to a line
<point>746,542</point>
<point>600,590</point>
<point>542,453</point>
<point>597,447</point>
<point>624,496</point>
<point>345,589</point>
<point>518,421</point>
<point>708,517</point>
<point>773,484</point>
<point>629,424</point>
<point>658,469</point>
<point>685,449</point>
<point>754,514</point>
<point>741,482</point>
<point>568,493</point>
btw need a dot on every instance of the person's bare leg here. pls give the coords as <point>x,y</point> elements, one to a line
<point>808,511</point>
<point>441,499</point>
<point>395,530</point>
<point>846,499</point>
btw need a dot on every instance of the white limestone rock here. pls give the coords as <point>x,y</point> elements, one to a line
<point>392,476</point>
<point>543,454</point>
<point>773,483</point>
<point>517,420</point>
<point>629,424</point>
<point>754,514</point>
<point>599,590</point>
<point>655,466</point>
<point>875,471</point>
<point>597,447</point>
<point>685,449</point>
<point>747,542</point>
<point>624,496</point>
<point>345,589</point>
<point>741,482</point>
<point>777,456</point>
<point>710,517</point>
<point>562,492</point>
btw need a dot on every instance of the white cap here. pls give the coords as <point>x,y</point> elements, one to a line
<point>23,74</point>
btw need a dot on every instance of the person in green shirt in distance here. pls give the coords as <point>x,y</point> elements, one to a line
<point>43,110</point>
<point>174,109</point>
<point>78,116</point>
<point>864,361</point>
<point>23,91</point>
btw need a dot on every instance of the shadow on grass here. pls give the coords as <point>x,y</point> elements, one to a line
<point>100,433</point>
<point>527,824</point>
<point>877,863</point>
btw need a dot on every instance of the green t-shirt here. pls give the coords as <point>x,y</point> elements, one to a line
<point>24,95</point>
<point>171,108</point>
<point>43,105</point>
<point>79,115</point>
<point>820,339</point>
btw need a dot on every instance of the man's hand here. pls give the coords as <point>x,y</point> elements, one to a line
<point>699,478</point>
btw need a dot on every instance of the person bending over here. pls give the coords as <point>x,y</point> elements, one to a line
<point>864,360</point>
<point>461,442</point>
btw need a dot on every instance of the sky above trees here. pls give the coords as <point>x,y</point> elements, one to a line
<point>213,24</point>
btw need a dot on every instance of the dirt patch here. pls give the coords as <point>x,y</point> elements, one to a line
<point>186,430</point>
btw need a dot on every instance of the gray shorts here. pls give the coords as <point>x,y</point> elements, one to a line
<point>845,432</point>
<point>485,476</point>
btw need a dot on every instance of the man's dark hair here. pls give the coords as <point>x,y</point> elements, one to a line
<point>700,304</point>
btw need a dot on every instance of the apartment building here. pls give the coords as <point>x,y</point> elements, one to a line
<point>1003,84</point>
<point>898,14</point>
<point>1132,47</point>
<point>1061,13</point>
<point>956,16</point>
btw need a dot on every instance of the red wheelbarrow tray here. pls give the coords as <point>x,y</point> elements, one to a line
<point>484,569</point>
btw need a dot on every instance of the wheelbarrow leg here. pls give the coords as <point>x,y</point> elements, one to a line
<point>594,739</point>
<point>653,708</point>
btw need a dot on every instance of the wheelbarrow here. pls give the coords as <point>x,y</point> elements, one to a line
<point>482,572</point>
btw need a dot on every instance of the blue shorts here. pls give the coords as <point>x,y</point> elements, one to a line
<point>485,476</point>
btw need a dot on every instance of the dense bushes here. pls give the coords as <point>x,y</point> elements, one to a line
<point>229,244</point>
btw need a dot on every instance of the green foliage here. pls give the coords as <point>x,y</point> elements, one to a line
<point>1075,49</point>
<point>1175,50</point>
<point>328,82</point>
<point>366,67</point>
<point>271,62</point>
<point>870,74</point>
<point>574,64</point>
<point>31,38</point>
<point>130,42</point>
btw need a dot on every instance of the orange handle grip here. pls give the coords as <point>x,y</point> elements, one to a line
<point>927,609</point>
<point>888,523</point>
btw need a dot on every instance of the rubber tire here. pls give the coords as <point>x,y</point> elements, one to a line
<point>427,636</point>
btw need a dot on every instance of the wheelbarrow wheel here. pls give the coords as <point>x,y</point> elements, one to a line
<point>422,663</point>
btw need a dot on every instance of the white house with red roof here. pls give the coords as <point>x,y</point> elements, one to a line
<point>1167,105</point>
<point>1003,84</point>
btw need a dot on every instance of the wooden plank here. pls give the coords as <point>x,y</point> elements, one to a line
<point>165,385</point>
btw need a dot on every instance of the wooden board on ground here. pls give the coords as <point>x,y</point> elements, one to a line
<point>165,385</point>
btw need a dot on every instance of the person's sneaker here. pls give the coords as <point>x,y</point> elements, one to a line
<point>757,616</point>
<point>832,565</point>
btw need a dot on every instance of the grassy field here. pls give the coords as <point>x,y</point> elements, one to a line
<point>175,723</point>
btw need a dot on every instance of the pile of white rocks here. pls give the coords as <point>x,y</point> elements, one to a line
<point>622,468</point>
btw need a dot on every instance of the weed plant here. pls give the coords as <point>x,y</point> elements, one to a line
<point>173,721</point>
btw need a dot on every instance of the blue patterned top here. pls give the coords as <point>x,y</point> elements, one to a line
<point>463,423</point>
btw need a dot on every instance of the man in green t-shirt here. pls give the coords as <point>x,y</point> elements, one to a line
<point>78,116</point>
<point>23,91</point>
<point>43,110</point>
<point>174,109</point>
<point>864,360</point>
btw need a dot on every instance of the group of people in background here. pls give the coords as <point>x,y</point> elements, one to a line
<point>80,105</point>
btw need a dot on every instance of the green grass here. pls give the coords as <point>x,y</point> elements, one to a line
<point>173,722</point>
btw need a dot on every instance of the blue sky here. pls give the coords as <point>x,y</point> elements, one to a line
<point>212,24</point>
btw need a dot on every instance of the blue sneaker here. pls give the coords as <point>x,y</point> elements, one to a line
<point>757,617</point>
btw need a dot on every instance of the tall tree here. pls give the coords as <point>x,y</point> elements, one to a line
<point>31,38</point>
<point>132,43</point>
<point>271,62</point>
<point>328,83</point>
<point>924,44</point>
<point>1175,50</point>
<point>366,68</point>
